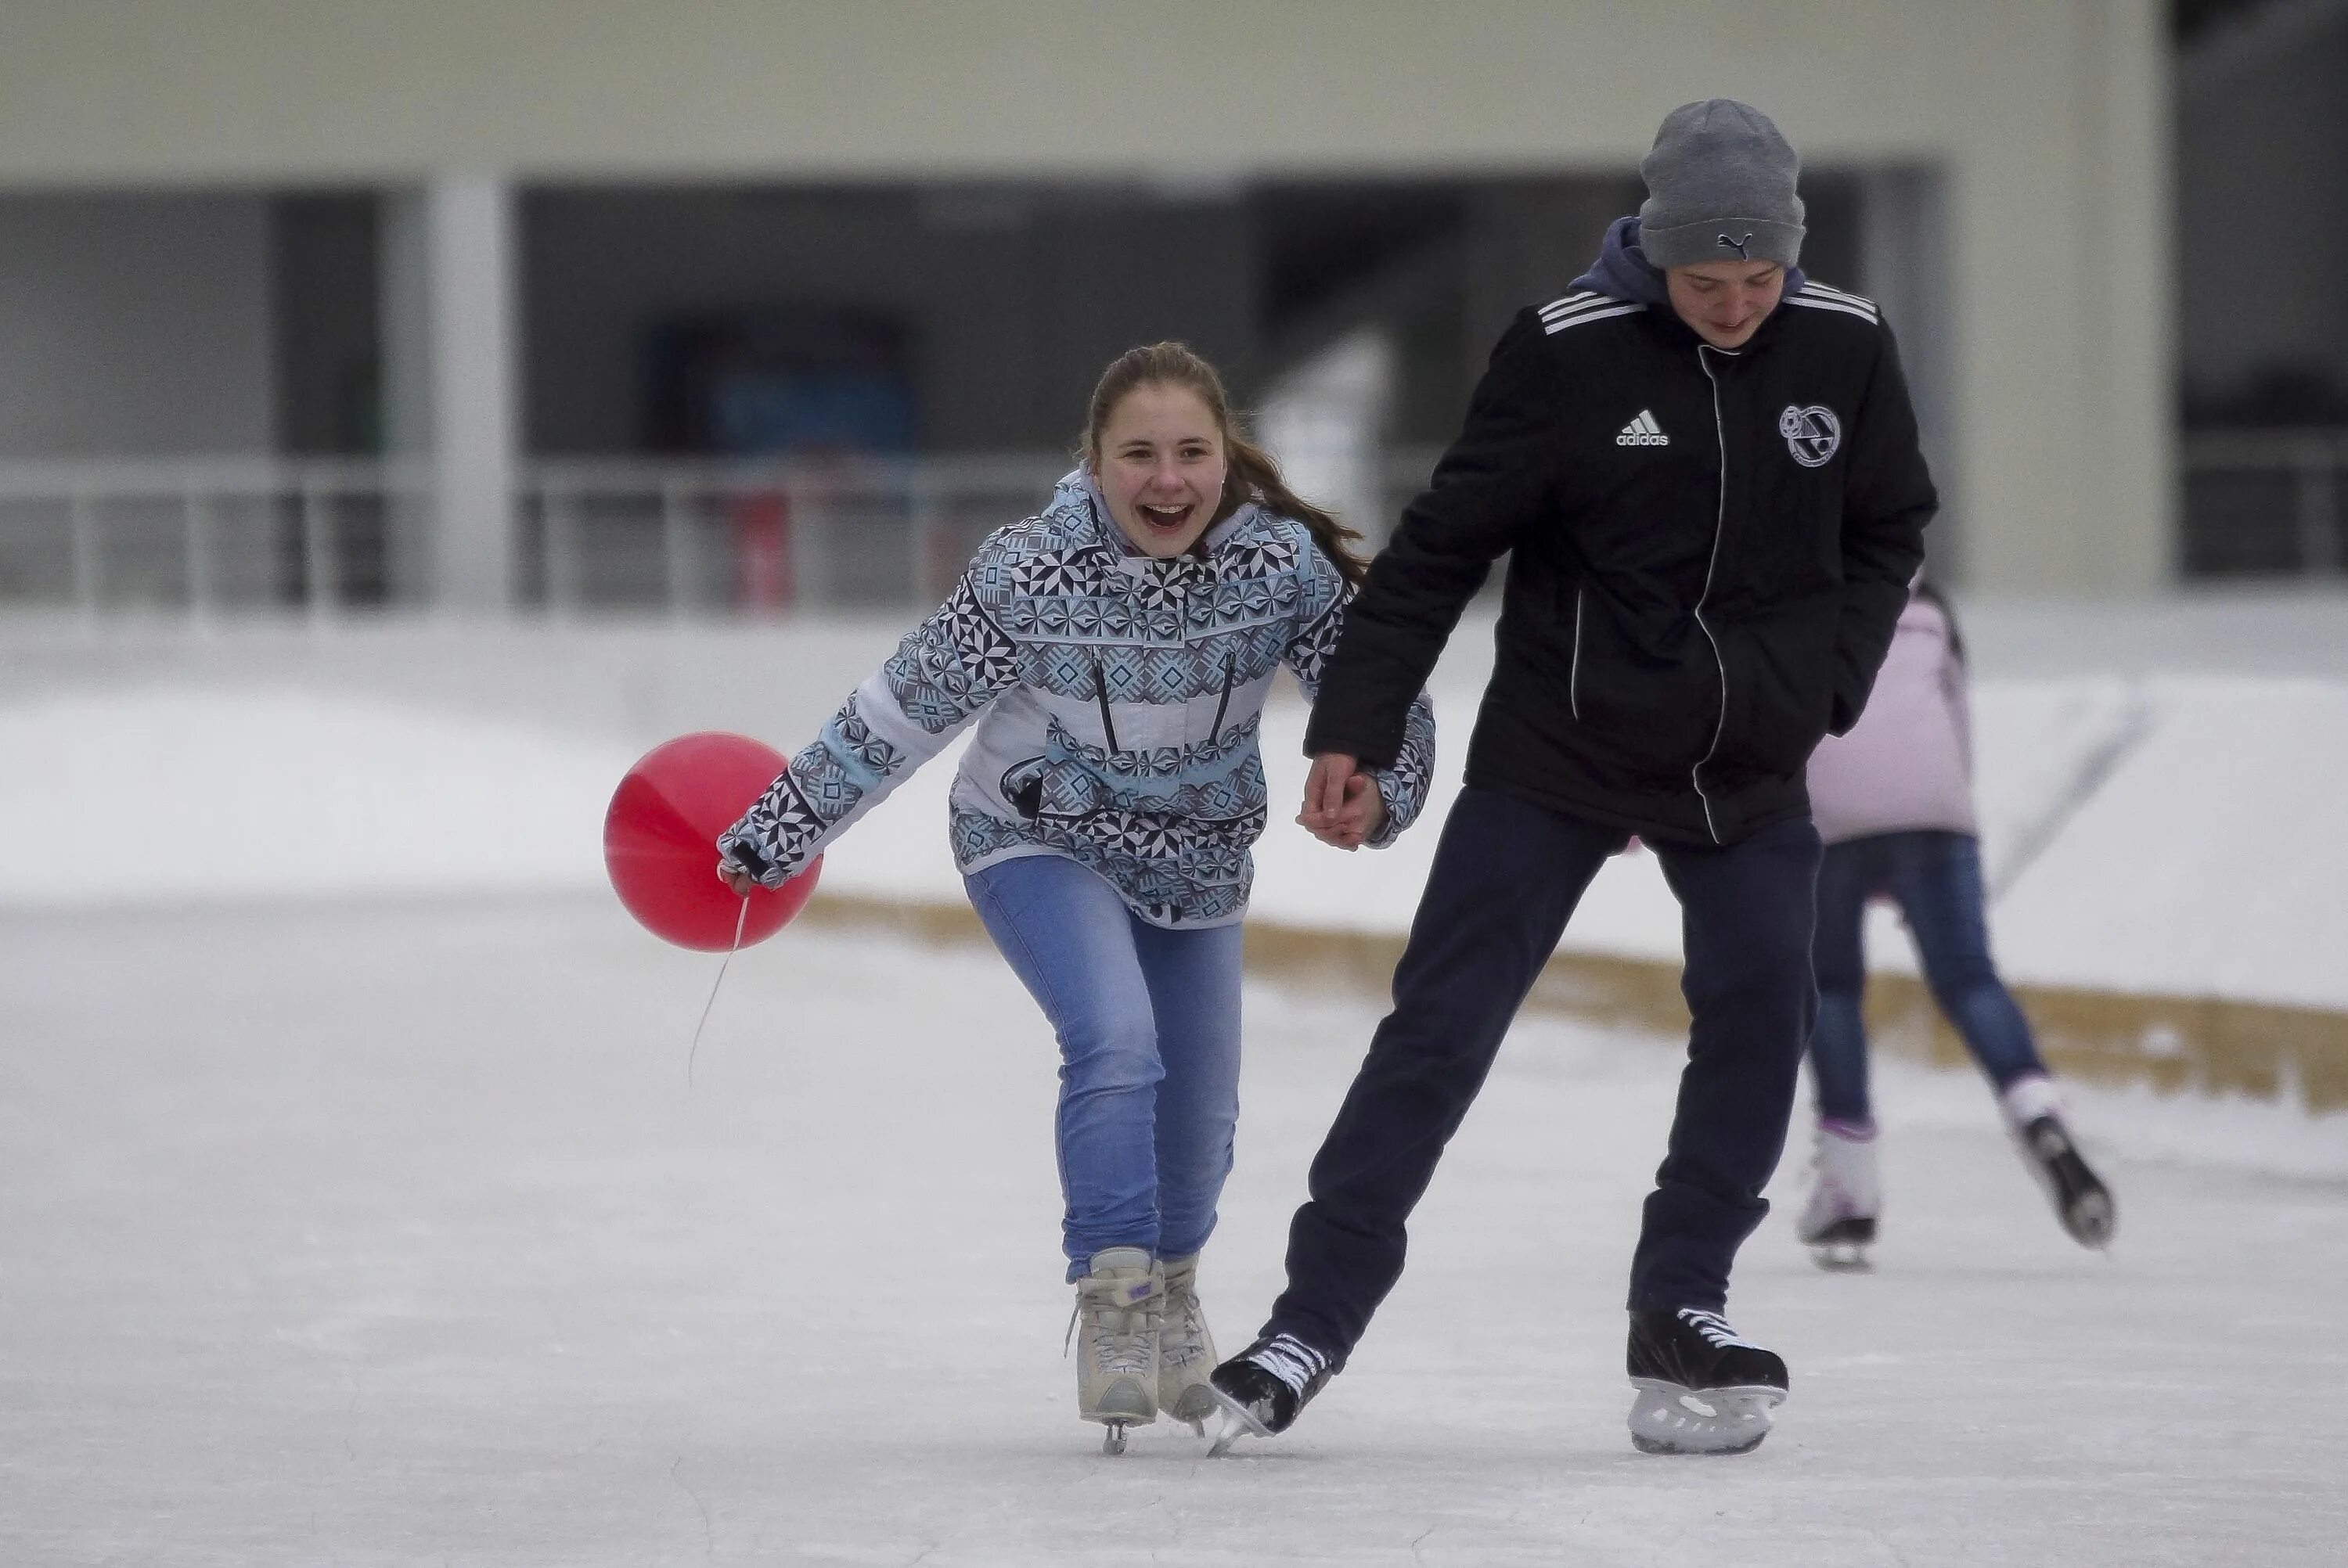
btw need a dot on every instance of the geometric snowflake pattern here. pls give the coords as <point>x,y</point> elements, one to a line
<point>857,739</point>
<point>1056,605</point>
<point>954,664</point>
<point>783,826</point>
<point>1201,883</point>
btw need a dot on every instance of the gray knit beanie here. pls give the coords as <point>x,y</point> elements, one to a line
<point>1720,188</point>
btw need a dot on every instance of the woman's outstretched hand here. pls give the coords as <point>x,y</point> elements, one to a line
<point>1342,804</point>
<point>740,867</point>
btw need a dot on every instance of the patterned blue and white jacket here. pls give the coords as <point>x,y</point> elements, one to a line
<point>1121,697</point>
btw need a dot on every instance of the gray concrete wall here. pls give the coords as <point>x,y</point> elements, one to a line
<point>134,325</point>
<point>1012,299</point>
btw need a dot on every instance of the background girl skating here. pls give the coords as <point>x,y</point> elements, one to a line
<point>1893,801</point>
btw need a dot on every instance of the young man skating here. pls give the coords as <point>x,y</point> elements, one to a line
<point>1705,473</point>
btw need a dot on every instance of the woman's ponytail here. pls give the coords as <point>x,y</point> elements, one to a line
<point>1253,472</point>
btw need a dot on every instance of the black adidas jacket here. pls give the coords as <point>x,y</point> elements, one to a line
<point>1708,551</point>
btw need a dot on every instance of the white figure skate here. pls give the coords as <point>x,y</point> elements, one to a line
<point>1186,1350</point>
<point>1838,1222</point>
<point>1114,1330</point>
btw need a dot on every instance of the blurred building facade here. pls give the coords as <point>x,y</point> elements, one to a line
<point>2262,192</point>
<point>588,304</point>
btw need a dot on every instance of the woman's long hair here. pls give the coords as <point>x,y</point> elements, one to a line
<point>1248,471</point>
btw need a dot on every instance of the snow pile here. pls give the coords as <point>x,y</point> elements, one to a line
<point>173,795</point>
<point>2165,834</point>
<point>2174,835</point>
<point>2210,861</point>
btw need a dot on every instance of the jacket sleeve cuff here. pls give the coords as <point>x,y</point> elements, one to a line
<point>1395,792</point>
<point>739,848</point>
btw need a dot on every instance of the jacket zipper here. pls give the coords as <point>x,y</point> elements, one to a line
<point>1230,671</point>
<point>1573,676</point>
<point>1719,526</point>
<point>1101,692</point>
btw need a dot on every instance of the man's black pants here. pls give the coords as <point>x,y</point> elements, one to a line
<point>1505,879</point>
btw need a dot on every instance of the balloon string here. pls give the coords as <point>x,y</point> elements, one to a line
<point>739,921</point>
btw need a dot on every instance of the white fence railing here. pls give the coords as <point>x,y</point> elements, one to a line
<point>702,537</point>
<point>204,535</point>
<point>682,537</point>
<point>705,537</point>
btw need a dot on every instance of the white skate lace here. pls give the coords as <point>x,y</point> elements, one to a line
<point>1714,1328</point>
<point>1115,1352</point>
<point>1182,1331</point>
<point>1113,1333</point>
<point>1290,1359</point>
<point>1113,1348</point>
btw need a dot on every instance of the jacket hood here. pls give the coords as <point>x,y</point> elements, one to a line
<point>1623,273</point>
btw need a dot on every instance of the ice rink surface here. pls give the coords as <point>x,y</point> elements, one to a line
<point>391,1232</point>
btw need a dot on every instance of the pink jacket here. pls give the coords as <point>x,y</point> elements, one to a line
<point>1908,762</point>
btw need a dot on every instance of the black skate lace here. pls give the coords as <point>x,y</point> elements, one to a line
<point>1290,1359</point>
<point>1714,1328</point>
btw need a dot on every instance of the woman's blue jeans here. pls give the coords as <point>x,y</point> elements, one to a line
<point>1149,1024</point>
<point>1935,877</point>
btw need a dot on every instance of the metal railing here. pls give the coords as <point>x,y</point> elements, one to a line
<point>706,537</point>
<point>2265,502</point>
<point>681,536</point>
<point>702,537</point>
<point>204,535</point>
<point>699,537</point>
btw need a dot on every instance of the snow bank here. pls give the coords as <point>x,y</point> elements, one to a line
<point>2174,835</point>
<point>2168,833</point>
<point>2210,861</point>
<point>168,794</point>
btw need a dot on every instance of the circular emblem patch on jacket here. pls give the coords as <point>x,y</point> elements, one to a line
<point>1811,433</point>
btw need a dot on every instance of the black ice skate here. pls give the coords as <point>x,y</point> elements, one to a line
<point>2081,1200</point>
<point>1839,1247</point>
<point>1702,1390</point>
<point>1263,1388</point>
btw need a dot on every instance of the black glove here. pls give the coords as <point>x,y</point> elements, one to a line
<point>742,855</point>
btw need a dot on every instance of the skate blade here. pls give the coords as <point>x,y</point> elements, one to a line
<point>1842,1257</point>
<point>1118,1421</point>
<point>2090,1221</point>
<point>1194,1409</point>
<point>1670,1419</point>
<point>1237,1424</point>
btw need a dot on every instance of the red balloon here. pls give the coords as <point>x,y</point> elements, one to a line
<point>660,842</point>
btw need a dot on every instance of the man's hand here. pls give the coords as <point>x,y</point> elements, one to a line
<point>737,878</point>
<point>1342,804</point>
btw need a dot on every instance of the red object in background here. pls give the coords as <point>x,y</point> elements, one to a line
<point>762,545</point>
<point>660,842</point>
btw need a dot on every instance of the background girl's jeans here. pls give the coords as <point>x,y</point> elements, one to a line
<point>1935,877</point>
<point>1148,1023</point>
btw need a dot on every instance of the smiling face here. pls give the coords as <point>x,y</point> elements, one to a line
<point>1724,302</point>
<point>1160,467</point>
